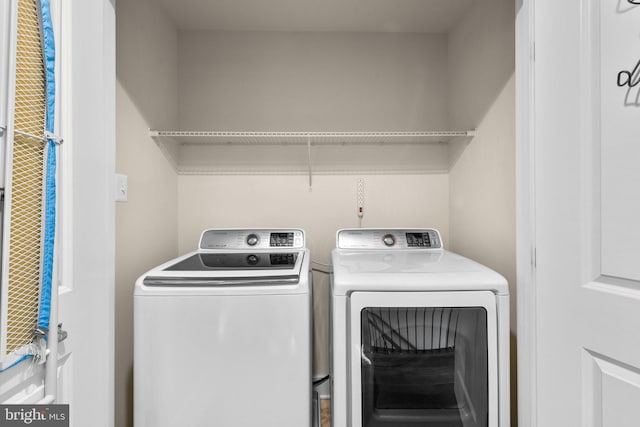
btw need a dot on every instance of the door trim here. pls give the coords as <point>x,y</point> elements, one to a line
<point>526,213</point>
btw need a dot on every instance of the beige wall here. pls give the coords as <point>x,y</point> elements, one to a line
<point>481,60</point>
<point>145,225</point>
<point>288,81</point>
<point>285,201</point>
<point>482,172</point>
<point>482,186</point>
<point>482,203</point>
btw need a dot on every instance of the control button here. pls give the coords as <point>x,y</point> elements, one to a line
<point>253,259</point>
<point>389,240</point>
<point>252,240</point>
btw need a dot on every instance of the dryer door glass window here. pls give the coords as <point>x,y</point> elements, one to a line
<point>424,366</point>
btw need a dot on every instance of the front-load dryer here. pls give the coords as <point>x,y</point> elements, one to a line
<point>222,335</point>
<point>420,335</point>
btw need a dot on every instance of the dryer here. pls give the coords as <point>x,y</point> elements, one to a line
<point>222,335</point>
<point>420,335</point>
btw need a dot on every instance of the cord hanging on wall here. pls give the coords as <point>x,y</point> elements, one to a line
<point>360,201</point>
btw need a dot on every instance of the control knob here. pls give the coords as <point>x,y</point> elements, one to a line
<point>253,259</point>
<point>252,239</point>
<point>389,240</point>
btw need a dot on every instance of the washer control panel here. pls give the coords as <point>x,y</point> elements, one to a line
<point>387,238</point>
<point>264,238</point>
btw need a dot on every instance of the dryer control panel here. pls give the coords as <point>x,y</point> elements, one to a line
<point>388,238</point>
<point>262,238</point>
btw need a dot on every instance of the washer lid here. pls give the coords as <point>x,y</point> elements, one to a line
<point>410,270</point>
<point>217,268</point>
<point>237,261</point>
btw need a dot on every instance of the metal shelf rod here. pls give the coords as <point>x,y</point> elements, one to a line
<point>224,134</point>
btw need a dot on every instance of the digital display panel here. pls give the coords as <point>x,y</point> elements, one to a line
<point>421,240</point>
<point>281,239</point>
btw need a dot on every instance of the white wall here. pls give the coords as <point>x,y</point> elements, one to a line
<point>290,81</point>
<point>482,172</point>
<point>146,233</point>
<point>482,186</point>
<point>481,60</point>
<point>285,201</point>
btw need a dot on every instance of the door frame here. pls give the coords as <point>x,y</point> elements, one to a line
<point>88,304</point>
<point>526,213</point>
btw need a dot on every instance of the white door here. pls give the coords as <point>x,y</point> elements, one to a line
<point>84,269</point>
<point>579,213</point>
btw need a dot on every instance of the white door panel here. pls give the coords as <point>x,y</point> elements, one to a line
<point>620,136</point>
<point>585,310</point>
<point>610,300</point>
<point>611,392</point>
<point>611,315</point>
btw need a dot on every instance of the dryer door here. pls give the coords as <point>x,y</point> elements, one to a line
<point>424,359</point>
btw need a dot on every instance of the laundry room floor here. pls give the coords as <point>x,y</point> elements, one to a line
<point>325,413</point>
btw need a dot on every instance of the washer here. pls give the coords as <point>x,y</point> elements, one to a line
<point>222,335</point>
<point>420,335</point>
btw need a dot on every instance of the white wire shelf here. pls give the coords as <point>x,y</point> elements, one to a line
<point>309,153</point>
<point>316,138</point>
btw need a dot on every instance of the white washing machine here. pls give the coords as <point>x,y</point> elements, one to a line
<point>222,335</point>
<point>420,335</point>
